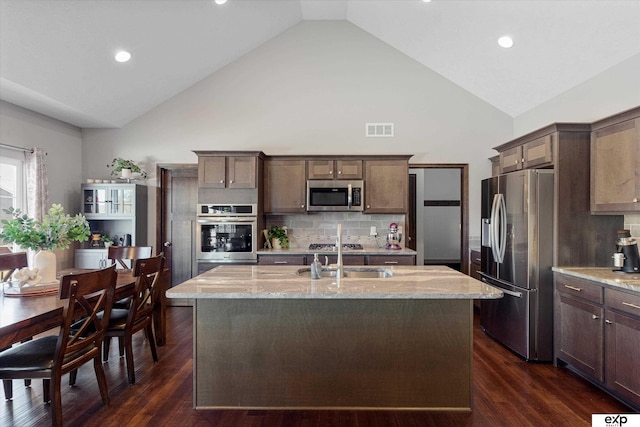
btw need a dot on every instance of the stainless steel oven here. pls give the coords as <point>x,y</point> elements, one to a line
<point>227,233</point>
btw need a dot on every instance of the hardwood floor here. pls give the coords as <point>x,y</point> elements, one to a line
<point>507,392</point>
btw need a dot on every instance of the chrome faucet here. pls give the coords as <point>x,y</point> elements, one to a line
<point>340,270</point>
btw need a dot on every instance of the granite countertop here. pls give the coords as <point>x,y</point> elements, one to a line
<point>603,275</point>
<point>367,250</point>
<point>270,281</point>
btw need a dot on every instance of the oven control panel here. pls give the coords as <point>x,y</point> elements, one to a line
<point>205,209</point>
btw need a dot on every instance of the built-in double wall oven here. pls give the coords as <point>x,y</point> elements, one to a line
<point>227,233</point>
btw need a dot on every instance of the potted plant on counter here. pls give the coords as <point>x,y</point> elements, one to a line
<point>106,240</point>
<point>126,168</point>
<point>56,231</point>
<point>278,237</point>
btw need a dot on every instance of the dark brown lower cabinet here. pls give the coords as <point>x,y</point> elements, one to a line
<point>597,333</point>
<point>581,336</point>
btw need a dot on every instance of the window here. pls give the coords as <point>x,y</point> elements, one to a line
<point>12,182</point>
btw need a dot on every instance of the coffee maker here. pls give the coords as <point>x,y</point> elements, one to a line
<point>394,237</point>
<point>626,258</point>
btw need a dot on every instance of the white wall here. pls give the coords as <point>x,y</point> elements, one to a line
<point>311,90</point>
<point>612,91</point>
<point>62,142</point>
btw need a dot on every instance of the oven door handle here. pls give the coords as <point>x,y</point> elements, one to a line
<point>226,220</point>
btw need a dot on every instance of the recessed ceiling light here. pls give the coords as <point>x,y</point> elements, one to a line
<point>221,1</point>
<point>505,41</point>
<point>123,56</point>
<point>426,1</point>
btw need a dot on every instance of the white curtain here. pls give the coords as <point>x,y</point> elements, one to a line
<point>37,183</point>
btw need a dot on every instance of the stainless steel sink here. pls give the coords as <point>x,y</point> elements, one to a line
<point>354,272</point>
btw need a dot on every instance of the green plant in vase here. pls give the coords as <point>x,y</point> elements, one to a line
<point>125,168</point>
<point>278,234</point>
<point>56,231</point>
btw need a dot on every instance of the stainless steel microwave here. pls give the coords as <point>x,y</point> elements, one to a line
<point>335,195</point>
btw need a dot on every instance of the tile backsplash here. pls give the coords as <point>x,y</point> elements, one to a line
<point>632,223</point>
<point>304,229</point>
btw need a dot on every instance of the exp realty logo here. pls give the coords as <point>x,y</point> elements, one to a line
<point>615,420</point>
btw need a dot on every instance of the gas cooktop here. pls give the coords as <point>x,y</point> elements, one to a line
<point>332,247</point>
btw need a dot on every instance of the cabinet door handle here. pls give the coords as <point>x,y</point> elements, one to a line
<point>628,304</point>
<point>222,181</point>
<point>231,182</point>
<point>391,262</point>
<point>330,172</point>
<point>573,288</point>
<point>280,262</point>
<point>635,200</point>
<point>594,317</point>
<point>608,322</point>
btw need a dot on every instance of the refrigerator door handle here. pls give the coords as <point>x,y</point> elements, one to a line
<point>493,238</point>
<point>503,226</point>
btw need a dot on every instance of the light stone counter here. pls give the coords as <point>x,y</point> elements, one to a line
<point>605,276</point>
<point>266,337</point>
<point>273,281</point>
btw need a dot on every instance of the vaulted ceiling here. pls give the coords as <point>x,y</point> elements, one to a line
<point>56,56</point>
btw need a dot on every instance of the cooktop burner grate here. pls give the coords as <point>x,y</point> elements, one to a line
<point>331,247</point>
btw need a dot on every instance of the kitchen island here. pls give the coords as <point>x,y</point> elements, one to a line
<point>271,337</point>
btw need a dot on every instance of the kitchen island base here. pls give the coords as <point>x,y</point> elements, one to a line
<point>401,354</point>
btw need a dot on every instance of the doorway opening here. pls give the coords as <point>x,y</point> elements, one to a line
<point>438,219</point>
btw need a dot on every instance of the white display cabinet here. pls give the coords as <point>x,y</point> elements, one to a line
<point>116,210</point>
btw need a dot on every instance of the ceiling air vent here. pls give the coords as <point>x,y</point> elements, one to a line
<point>379,129</point>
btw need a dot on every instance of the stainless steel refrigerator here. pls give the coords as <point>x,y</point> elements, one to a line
<point>517,255</point>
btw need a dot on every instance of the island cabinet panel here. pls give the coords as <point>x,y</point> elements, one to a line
<point>333,353</point>
<point>227,171</point>
<point>334,169</point>
<point>615,167</point>
<point>386,186</point>
<point>285,186</point>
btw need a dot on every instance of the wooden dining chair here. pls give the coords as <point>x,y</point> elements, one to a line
<point>120,254</point>
<point>9,263</point>
<point>49,357</point>
<point>139,316</point>
<point>123,257</point>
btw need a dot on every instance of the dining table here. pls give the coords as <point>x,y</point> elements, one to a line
<point>22,317</point>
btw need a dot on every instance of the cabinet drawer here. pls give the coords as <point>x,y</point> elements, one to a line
<point>281,259</point>
<point>391,260</point>
<point>579,288</point>
<point>622,301</point>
